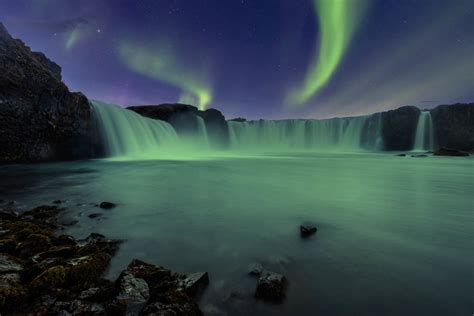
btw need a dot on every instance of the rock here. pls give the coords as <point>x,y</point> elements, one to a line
<point>12,292</point>
<point>450,152</point>
<point>89,293</point>
<point>401,155</point>
<point>195,283</point>
<point>419,156</point>
<point>33,244</point>
<point>107,205</point>
<point>454,126</point>
<point>149,272</point>
<point>41,120</point>
<point>238,119</point>
<point>307,230</point>
<point>9,265</point>
<point>95,215</point>
<point>65,240</point>
<point>255,269</point>
<point>58,201</point>
<point>79,307</point>
<point>9,215</point>
<point>135,292</point>
<point>271,287</point>
<point>399,128</point>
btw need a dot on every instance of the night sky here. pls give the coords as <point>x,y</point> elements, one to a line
<point>257,58</point>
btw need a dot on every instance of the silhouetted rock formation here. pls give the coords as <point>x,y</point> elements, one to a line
<point>399,128</point>
<point>40,119</point>
<point>183,118</point>
<point>454,126</point>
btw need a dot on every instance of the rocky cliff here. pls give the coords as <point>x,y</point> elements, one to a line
<point>454,126</point>
<point>40,119</point>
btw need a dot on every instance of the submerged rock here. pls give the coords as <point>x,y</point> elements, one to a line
<point>450,152</point>
<point>307,230</point>
<point>255,269</point>
<point>107,205</point>
<point>271,287</point>
<point>419,156</point>
<point>95,215</point>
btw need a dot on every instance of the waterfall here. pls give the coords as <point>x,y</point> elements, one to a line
<point>337,133</point>
<point>128,134</point>
<point>424,138</point>
<point>202,132</point>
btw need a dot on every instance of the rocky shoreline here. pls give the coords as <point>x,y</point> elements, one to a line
<point>45,273</point>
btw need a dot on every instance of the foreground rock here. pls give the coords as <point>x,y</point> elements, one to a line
<point>42,273</point>
<point>450,152</point>
<point>40,119</point>
<point>271,287</point>
<point>307,230</point>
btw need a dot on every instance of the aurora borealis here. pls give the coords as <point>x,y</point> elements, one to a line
<point>270,59</point>
<point>337,22</point>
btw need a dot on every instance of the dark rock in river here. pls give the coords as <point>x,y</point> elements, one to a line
<point>454,126</point>
<point>399,128</point>
<point>255,269</point>
<point>419,156</point>
<point>307,230</point>
<point>107,205</point>
<point>450,152</point>
<point>271,287</point>
<point>40,119</point>
<point>195,283</point>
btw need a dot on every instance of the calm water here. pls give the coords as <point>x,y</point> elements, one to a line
<point>395,234</point>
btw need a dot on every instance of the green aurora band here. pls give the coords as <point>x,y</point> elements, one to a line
<point>338,19</point>
<point>161,64</point>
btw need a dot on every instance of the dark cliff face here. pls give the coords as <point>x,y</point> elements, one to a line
<point>40,120</point>
<point>399,128</point>
<point>183,119</point>
<point>454,126</point>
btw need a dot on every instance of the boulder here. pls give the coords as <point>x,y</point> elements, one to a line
<point>195,283</point>
<point>107,205</point>
<point>271,287</point>
<point>450,152</point>
<point>255,269</point>
<point>40,119</point>
<point>307,230</point>
<point>135,292</point>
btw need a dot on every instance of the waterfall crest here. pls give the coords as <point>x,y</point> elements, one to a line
<point>128,134</point>
<point>337,133</point>
<point>424,137</point>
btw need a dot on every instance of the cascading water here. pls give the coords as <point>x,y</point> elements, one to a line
<point>127,134</point>
<point>337,133</point>
<point>424,137</point>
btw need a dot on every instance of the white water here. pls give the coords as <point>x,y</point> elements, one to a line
<point>128,135</point>
<point>337,133</point>
<point>424,138</point>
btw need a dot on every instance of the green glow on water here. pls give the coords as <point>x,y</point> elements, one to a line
<point>395,233</point>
